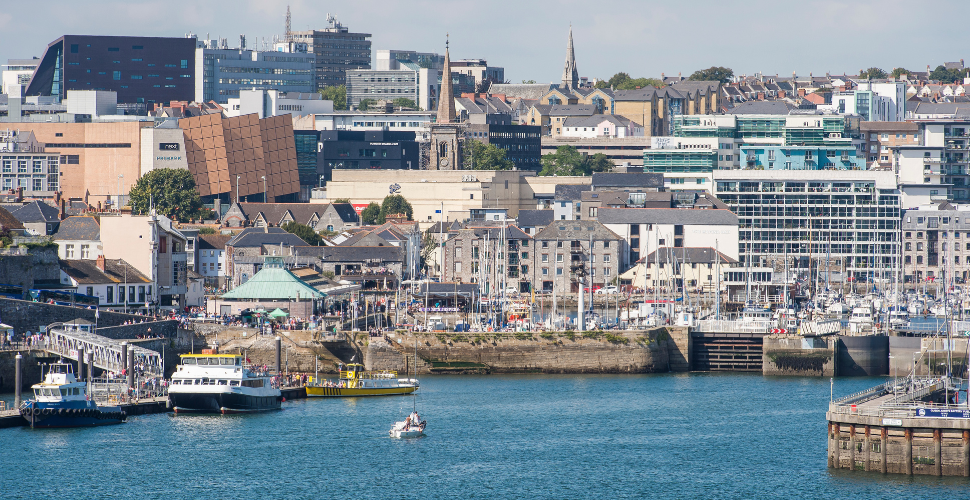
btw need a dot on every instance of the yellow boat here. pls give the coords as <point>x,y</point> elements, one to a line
<point>354,381</point>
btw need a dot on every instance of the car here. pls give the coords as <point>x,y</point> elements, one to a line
<point>595,288</point>
<point>608,290</point>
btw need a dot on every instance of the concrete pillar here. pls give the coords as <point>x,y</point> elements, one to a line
<point>80,364</point>
<point>868,450</point>
<point>90,378</point>
<point>279,348</point>
<point>938,452</point>
<point>884,436</point>
<point>852,447</point>
<point>131,368</point>
<point>908,451</point>
<point>833,446</point>
<point>124,354</point>
<point>966,453</point>
<point>19,383</point>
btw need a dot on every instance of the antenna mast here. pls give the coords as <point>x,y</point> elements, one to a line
<point>289,36</point>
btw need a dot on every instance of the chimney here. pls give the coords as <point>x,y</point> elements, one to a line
<point>63,210</point>
<point>20,194</point>
<point>101,263</point>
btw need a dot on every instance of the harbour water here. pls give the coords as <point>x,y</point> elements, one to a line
<point>570,436</point>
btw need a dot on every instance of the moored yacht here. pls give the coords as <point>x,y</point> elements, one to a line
<point>220,383</point>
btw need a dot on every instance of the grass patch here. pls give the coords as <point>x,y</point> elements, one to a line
<point>547,336</point>
<point>616,339</point>
<point>523,335</point>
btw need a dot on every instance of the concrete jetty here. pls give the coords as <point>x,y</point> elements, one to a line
<point>906,426</point>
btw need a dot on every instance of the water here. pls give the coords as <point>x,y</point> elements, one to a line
<point>569,436</point>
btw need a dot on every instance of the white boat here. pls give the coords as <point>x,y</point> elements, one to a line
<point>861,319</point>
<point>412,426</point>
<point>219,383</point>
<point>837,308</point>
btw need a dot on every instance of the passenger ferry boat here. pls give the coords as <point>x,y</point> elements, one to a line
<point>61,401</point>
<point>354,381</point>
<point>220,383</point>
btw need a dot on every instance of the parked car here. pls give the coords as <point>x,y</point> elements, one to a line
<point>607,290</point>
<point>595,288</point>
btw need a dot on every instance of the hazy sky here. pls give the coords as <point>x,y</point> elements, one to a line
<point>528,38</point>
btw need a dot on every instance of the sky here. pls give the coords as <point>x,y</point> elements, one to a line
<point>644,38</point>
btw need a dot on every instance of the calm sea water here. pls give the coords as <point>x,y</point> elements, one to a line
<point>571,436</point>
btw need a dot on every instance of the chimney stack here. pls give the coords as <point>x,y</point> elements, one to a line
<point>20,194</point>
<point>101,262</point>
<point>63,210</point>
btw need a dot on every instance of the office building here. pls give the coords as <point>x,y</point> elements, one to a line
<point>26,164</point>
<point>242,157</point>
<point>266,103</point>
<point>224,72</point>
<point>336,50</point>
<point>420,85</point>
<point>936,244</point>
<point>371,150</point>
<point>17,72</point>
<point>141,70</point>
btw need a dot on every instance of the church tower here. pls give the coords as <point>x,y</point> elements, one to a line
<point>446,133</point>
<point>570,75</point>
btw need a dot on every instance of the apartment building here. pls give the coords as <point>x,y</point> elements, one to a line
<point>336,50</point>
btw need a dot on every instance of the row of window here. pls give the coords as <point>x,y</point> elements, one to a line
<point>32,183</point>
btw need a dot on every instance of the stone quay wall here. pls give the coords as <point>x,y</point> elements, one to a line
<point>564,352</point>
<point>30,364</point>
<point>167,328</point>
<point>798,355</point>
<point>25,315</point>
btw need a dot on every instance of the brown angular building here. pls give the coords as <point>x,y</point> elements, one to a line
<point>219,149</point>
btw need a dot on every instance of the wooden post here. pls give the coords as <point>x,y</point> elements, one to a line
<point>852,447</point>
<point>833,446</point>
<point>868,449</point>
<point>966,453</point>
<point>908,451</point>
<point>884,436</point>
<point>938,452</point>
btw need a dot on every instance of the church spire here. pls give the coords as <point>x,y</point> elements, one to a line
<point>446,97</point>
<point>570,75</point>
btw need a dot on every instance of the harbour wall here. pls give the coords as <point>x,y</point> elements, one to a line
<point>560,352</point>
<point>798,355</point>
<point>25,315</point>
<point>862,356</point>
<point>30,365</point>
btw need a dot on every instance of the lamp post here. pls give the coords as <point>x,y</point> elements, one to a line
<point>237,187</point>
<point>265,199</point>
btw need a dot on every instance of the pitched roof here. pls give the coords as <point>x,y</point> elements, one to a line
<point>389,253</point>
<point>696,255</point>
<point>644,94</point>
<point>680,216</point>
<point>524,90</point>
<point>345,211</point>
<point>569,192</point>
<point>258,236</point>
<point>572,110</point>
<point>36,211</point>
<point>8,221</point>
<point>576,230</point>
<point>628,180</point>
<point>596,120</point>
<point>115,271</point>
<point>274,212</point>
<point>494,232</point>
<point>761,108</point>
<point>78,227</point>
<point>535,218</point>
<point>273,283</point>
<point>213,241</point>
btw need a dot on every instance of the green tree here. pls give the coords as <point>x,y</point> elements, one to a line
<point>481,156</point>
<point>337,94</point>
<point>718,73</point>
<point>567,160</point>
<point>639,83</point>
<point>943,75</point>
<point>404,102</point>
<point>207,230</point>
<point>365,104</point>
<point>394,204</point>
<point>342,200</point>
<point>599,163</point>
<point>897,72</point>
<point>873,73</point>
<point>528,82</point>
<point>369,215</point>
<point>306,233</point>
<point>173,193</point>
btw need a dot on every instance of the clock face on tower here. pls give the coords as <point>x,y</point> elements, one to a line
<point>444,162</point>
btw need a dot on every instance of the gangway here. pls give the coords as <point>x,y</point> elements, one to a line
<point>107,354</point>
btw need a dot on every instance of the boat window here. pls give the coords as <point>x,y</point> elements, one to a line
<point>214,361</point>
<point>176,382</point>
<point>203,361</point>
<point>198,382</point>
<point>38,392</point>
<point>238,361</point>
<point>226,361</point>
<point>234,383</point>
<point>188,361</point>
<point>223,382</point>
<point>76,392</point>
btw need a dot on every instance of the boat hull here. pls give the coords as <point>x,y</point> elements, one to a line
<point>344,392</point>
<point>223,402</point>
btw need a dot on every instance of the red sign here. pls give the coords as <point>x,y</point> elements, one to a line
<point>359,207</point>
<point>779,330</point>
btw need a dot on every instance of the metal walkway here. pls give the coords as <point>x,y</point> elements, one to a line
<point>106,353</point>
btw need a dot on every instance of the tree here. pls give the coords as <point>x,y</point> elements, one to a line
<point>897,72</point>
<point>599,163</point>
<point>943,75</point>
<point>565,161</point>
<point>622,81</point>
<point>173,193</point>
<point>528,82</point>
<point>394,204</point>
<point>337,94</point>
<point>404,102</point>
<point>365,104</point>
<point>342,200</point>
<point>369,215</point>
<point>718,73</point>
<point>873,73</point>
<point>306,233</point>
<point>481,156</point>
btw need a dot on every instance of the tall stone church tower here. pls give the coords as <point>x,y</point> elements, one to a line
<point>570,75</point>
<point>446,132</point>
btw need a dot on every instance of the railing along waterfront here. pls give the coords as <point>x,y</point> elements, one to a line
<point>901,404</point>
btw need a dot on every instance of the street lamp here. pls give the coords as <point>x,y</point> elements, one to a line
<point>237,187</point>
<point>265,200</point>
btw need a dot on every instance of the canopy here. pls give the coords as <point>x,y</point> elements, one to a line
<point>278,313</point>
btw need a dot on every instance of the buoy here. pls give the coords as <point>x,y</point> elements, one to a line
<point>284,400</point>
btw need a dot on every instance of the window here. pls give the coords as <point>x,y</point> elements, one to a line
<point>90,290</point>
<point>74,48</point>
<point>110,295</point>
<point>21,166</point>
<point>185,64</point>
<point>163,244</point>
<point>131,294</point>
<point>116,75</point>
<point>85,251</point>
<point>69,251</point>
<point>545,257</point>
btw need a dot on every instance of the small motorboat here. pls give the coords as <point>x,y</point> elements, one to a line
<point>412,426</point>
<point>63,401</point>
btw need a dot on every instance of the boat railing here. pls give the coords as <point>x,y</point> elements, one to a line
<point>379,374</point>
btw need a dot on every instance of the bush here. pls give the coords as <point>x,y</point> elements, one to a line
<point>616,339</point>
<point>570,335</point>
<point>547,336</point>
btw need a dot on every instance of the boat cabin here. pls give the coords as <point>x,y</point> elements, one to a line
<point>60,384</point>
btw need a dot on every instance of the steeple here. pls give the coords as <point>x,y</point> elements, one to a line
<point>570,75</point>
<point>446,97</point>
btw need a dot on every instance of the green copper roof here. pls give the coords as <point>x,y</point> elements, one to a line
<point>273,283</point>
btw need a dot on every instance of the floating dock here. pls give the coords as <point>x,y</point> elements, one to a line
<point>910,426</point>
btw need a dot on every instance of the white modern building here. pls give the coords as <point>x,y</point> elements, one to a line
<point>410,81</point>
<point>402,121</point>
<point>222,72</point>
<point>163,146</point>
<point>268,103</point>
<point>607,126</point>
<point>17,72</point>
